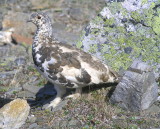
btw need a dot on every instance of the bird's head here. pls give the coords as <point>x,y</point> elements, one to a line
<point>39,19</point>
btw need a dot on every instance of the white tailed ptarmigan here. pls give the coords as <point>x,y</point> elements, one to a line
<point>64,65</point>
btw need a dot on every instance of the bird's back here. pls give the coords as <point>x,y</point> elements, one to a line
<point>66,65</point>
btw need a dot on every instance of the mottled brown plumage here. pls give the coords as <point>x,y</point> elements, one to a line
<point>64,65</point>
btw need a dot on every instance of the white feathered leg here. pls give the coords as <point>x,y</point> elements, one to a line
<point>60,92</point>
<point>76,95</point>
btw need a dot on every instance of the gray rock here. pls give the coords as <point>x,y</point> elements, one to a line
<point>153,109</point>
<point>123,31</point>
<point>32,118</point>
<point>31,88</point>
<point>137,90</point>
<point>20,61</point>
<point>8,51</point>
<point>6,77</point>
<point>5,36</point>
<point>13,91</point>
<point>4,49</point>
<point>158,99</point>
<point>33,126</point>
<point>18,21</point>
<point>26,94</point>
<point>76,14</point>
<point>14,114</point>
<point>74,124</point>
<point>41,4</point>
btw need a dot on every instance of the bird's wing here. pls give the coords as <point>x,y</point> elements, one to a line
<point>72,65</point>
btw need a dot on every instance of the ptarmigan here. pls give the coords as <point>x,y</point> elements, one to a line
<point>64,65</point>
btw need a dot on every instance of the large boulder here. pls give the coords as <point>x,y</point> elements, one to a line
<point>137,90</point>
<point>124,31</point>
<point>14,114</point>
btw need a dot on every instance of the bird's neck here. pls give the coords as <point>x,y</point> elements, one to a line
<point>42,33</point>
<point>44,30</point>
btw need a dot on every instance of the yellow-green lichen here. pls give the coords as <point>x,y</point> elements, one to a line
<point>140,45</point>
<point>158,11</point>
<point>144,2</point>
<point>136,16</point>
<point>156,25</point>
<point>109,21</point>
<point>147,16</point>
<point>79,44</point>
<point>93,48</point>
<point>95,31</point>
<point>115,7</point>
<point>97,19</point>
<point>120,29</point>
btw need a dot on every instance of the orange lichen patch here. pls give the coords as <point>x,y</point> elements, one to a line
<point>22,39</point>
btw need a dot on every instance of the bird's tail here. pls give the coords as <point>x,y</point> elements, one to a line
<point>116,77</point>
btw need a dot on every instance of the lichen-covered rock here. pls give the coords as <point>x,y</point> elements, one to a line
<point>14,114</point>
<point>137,90</point>
<point>124,31</point>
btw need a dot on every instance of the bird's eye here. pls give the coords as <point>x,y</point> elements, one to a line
<point>39,17</point>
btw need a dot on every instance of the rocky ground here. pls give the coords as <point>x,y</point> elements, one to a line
<point>19,78</point>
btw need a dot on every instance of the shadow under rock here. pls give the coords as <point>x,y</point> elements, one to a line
<point>4,101</point>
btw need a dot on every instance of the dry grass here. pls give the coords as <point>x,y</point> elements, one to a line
<point>93,111</point>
